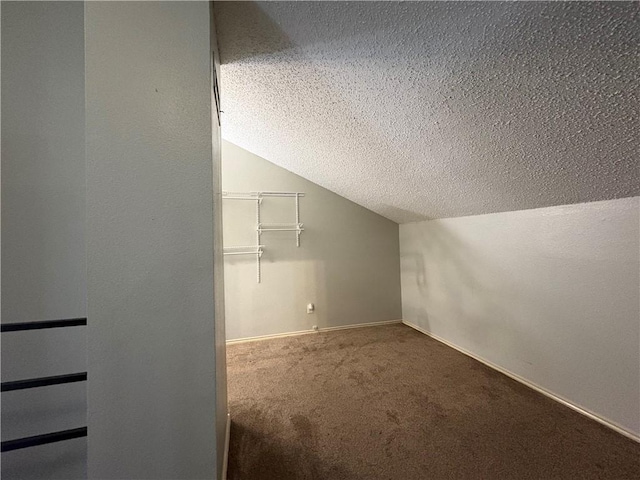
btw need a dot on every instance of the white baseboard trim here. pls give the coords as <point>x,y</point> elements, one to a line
<point>227,438</point>
<point>308,332</point>
<point>359,325</point>
<point>524,381</point>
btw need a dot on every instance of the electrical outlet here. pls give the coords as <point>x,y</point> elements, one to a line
<point>311,308</point>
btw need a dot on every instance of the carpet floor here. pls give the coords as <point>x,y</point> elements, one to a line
<point>391,403</point>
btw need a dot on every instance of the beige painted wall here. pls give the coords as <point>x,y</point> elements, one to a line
<point>151,168</point>
<point>348,262</point>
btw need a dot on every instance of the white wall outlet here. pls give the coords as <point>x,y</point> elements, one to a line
<point>311,308</point>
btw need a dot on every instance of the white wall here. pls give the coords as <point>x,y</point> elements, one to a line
<point>218,271</point>
<point>347,264</point>
<point>43,230</point>
<point>150,239</point>
<point>552,295</point>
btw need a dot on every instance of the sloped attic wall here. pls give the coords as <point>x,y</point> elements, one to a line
<point>347,264</point>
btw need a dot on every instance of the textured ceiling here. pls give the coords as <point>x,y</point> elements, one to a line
<point>438,109</point>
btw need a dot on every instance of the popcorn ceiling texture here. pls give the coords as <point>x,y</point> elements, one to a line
<point>438,109</point>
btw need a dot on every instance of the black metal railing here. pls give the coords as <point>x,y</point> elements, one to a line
<point>52,437</point>
<point>36,440</point>
<point>68,322</point>
<point>43,381</point>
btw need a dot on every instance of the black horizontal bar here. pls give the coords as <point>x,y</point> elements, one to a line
<point>43,381</point>
<point>36,440</point>
<point>69,322</point>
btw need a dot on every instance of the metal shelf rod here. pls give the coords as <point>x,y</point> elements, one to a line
<point>36,440</point>
<point>281,229</point>
<point>43,381</point>
<point>255,195</point>
<point>261,228</point>
<point>281,224</point>
<point>258,241</point>
<point>281,194</point>
<point>16,327</point>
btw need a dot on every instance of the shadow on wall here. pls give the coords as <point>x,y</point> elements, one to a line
<point>445,288</point>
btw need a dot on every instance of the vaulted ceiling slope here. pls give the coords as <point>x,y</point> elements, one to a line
<point>438,109</point>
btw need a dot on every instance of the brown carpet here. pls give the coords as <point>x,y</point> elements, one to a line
<point>388,402</point>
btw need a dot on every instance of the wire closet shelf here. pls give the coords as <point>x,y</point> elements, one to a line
<point>258,248</point>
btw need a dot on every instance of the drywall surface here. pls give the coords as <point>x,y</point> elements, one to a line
<point>552,295</point>
<point>347,263</point>
<point>420,110</point>
<point>150,238</point>
<point>218,269</point>
<point>43,230</point>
